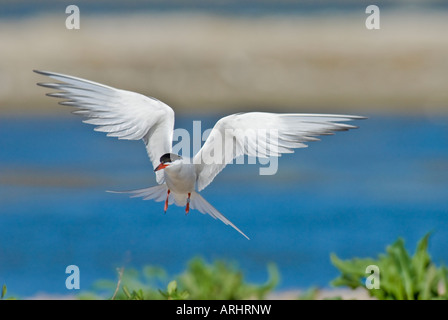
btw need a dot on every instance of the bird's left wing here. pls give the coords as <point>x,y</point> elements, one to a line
<point>119,113</point>
<point>261,134</point>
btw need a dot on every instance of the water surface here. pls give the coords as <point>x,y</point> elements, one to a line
<point>352,193</point>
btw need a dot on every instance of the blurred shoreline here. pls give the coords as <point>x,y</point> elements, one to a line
<point>205,62</point>
<point>321,294</point>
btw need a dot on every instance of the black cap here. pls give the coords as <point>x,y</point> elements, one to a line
<point>169,157</point>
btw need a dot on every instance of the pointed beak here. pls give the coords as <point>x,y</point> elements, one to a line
<point>161,166</point>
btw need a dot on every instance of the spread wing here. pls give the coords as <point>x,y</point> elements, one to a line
<point>261,134</point>
<point>119,113</point>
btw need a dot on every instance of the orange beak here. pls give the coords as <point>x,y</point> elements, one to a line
<point>161,166</point>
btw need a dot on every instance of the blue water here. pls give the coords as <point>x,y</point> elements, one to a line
<point>352,193</point>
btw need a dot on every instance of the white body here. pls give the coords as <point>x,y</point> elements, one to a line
<point>180,178</point>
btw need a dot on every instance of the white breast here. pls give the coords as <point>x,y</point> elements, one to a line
<point>180,177</point>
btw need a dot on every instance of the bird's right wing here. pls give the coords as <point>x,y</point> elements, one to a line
<point>261,134</point>
<point>122,114</point>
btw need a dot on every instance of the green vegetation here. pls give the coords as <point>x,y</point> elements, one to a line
<point>200,281</point>
<point>3,294</point>
<point>402,277</point>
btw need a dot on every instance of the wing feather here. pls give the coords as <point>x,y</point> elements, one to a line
<point>119,113</point>
<point>261,134</point>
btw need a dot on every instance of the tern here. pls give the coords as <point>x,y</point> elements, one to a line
<point>133,116</point>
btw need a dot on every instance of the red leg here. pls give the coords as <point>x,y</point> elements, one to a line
<point>187,209</point>
<point>166,201</point>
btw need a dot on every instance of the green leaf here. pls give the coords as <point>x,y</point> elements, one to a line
<point>172,287</point>
<point>403,263</point>
<point>3,291</point>
<point>421,259</point>
<point>126,292</point>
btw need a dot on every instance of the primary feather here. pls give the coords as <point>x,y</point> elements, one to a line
<point>119,113</point>
<point>261,134</point>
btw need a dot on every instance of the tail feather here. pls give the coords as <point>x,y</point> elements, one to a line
<point>199,203</point>
<point>156,193</point>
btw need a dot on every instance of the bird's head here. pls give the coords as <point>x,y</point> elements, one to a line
<point>166,160</point>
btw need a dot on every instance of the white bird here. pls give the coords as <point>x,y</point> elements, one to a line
<point>132,116</point>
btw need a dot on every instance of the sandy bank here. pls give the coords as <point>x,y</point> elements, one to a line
<point>203,62</point>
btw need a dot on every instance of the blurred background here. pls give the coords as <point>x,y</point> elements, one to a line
<point>352,193</point>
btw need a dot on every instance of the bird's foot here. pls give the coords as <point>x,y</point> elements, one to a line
<point>187,208</point>
<point>166,201</point>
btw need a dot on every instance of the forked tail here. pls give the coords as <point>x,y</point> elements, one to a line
<point>159,193</point>
<point>199,203</point>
